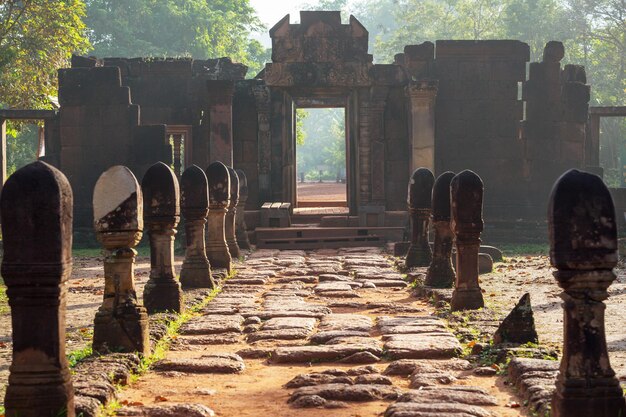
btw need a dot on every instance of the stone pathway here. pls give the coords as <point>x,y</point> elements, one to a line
<point>298,331</point>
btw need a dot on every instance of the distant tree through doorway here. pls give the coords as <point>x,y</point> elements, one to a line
<point>321,158</point>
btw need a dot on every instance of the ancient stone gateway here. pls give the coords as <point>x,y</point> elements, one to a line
<point>324,63</point>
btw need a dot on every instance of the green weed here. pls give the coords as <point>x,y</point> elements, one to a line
<point>98,252</point>
<point>173,326</point>
<point>524,249</point>
<point>4,300</point>
<point>77,356</point>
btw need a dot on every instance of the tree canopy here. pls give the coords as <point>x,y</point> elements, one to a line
<point>37,37</point>
<point>321,143</point>
<point>175,28</point>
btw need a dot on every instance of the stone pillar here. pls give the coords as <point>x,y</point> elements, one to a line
<point>221,120</point>
<point>263,106</point>
<point>241,230</point>
<point>121,323</point>
<point>422,95</point>
<point>466,201</point>
<point>441,273</point>
<point>364,149</point>
<point>161,212</point>
<point>219,200</point>
<point>229,226</point>
<point>419,201</point>
<point>583,249</point>
<point>376,125</point>
<point>194,202</point>
<point>36,207</point>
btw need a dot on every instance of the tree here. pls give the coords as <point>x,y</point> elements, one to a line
<point>175,28</point>
<point>37,37</point>
<point>301,115</point>
<point>417,21</point>
<point>548,23</point>
<point>331,5</point>
<point>22,147</point>
<point>322,144</point>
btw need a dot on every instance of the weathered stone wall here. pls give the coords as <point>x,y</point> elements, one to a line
<point>478,115</point>
<point>96,126</point>
<point>246,137</point>
<point>99,124</point>
<point>554,132</point>
<point>396,144</point>
<point>481,123</point>
<point>184,92</point>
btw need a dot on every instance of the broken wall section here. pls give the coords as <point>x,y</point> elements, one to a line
<point>554,132</point>
<point>518,133</point>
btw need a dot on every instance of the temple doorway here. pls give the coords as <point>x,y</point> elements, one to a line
<point>321,160</point>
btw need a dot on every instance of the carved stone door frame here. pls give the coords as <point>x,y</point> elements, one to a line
<point>178,131</point>
<point>322,98</point>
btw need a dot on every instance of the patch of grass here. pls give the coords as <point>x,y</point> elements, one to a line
<point>487,356</point>
<point>524,249</point>
<point>110,409</point>
<point>173,326</point>
<point>78,355</point>
<point>4,300</point>
<point>99,252</point>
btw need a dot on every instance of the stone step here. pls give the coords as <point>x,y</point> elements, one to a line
<point>323,353</point>
<point>225,363</point>
<point>325,237</point>
<point>187,410</point>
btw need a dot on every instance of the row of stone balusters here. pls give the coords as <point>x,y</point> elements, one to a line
<point>583,249</point>
<point>454,203</point>
<point>37,210</point>
<point>208,202</point>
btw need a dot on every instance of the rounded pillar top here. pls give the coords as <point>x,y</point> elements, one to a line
<point>466,201</point>
<point>441,197</point>
<point>194,189</point>
<point>554,51</point>
<point>243,184</point>
<point>234,187</point>
<point>420,189</point>
<point>37,207</point>
<point>160,192</point>
<point>581,223</point>
<point>117,201</point>
<point>219,185</point>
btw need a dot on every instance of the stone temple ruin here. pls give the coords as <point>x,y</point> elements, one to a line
<point>161,146</point>
<point>445,106</point>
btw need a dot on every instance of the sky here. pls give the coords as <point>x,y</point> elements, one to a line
<point>271,11</point>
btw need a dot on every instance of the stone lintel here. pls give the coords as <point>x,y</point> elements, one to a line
<point>348,74</point>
